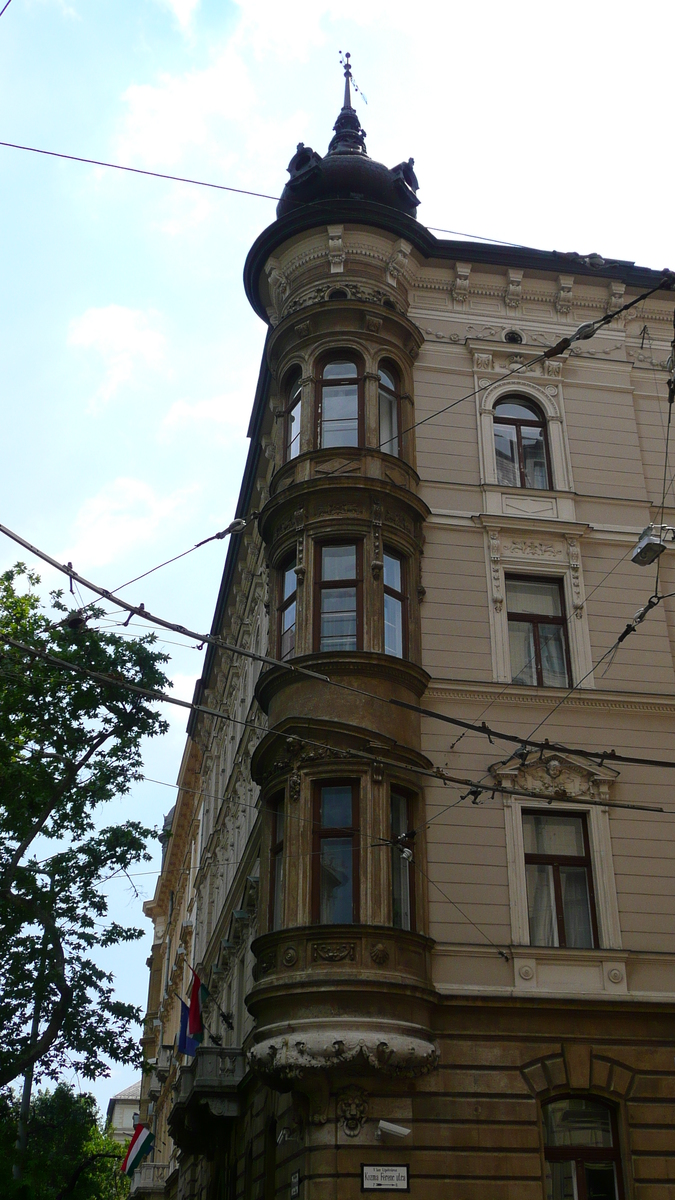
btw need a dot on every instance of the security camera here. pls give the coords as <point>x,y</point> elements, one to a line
<point>398,1131</point>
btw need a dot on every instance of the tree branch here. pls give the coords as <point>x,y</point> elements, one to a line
<point>42,1045</point>
<point>72,1182</point>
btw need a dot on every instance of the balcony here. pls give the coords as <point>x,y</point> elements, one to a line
<point>148,1179</point>
<point>206,1098</point>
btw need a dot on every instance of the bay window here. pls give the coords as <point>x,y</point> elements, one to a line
<point>394,608</point>
<point>401,868</point>
<point>338,597</point>
<point>287,609</point>
<point>340,405</point>
<point>389,404</point>
<point>293,421</point>
<point>335,895</point>
<point>277,862</point>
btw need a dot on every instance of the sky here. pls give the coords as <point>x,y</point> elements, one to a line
<point>128,352</point>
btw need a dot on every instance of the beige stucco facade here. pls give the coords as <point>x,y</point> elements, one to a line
<point>458,1029</point>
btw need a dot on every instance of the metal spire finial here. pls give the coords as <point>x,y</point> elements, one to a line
<point>348,74</point>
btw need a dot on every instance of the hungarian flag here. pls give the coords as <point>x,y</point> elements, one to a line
<point>140,1145</point>
<point>198,995</point>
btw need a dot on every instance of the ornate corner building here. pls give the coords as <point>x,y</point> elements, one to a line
<point>465,986</point>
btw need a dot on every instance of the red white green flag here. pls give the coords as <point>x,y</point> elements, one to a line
<point>198,994</point>
<point>140,1145</point>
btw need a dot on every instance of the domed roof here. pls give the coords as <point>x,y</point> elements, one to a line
<point>346,172</point>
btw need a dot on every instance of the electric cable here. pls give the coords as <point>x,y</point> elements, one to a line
<point>5,7</point>
<point>483,728</point>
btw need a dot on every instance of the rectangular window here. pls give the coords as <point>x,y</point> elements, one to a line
<point>293,421</point>
<point>401,880</point>
<point>394,612</point>
<point>338,606</point>
<point>277,863</point>
<point>537,632</point>
<point>336,854</point>
<point>287,610</point>
<point>339,409</point>
<point>560,898</point>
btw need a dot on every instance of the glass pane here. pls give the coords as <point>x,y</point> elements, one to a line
<point>518,409</point>
<point>288,631</point>
<point>400,867</point>
<point>541,905</point>
<point>340,419</point>
<point>393,626</point>
<point>576,908</point>
<point>392,572</point>
<point>549,834</point>
<point>534,457</point>
<point>278,890</point>
<point>387,379</point>
<point>561,1181</point>
<point>338,619</point>
<point>577,1121</point>
<point>290,580</point>
<point>336,890</point>
<point>553,661</point>
<point>336,807</point>
<point>523,658</point>
<point>506,450</point>
<point>338,562</point>
<point>293,429</point>
<point>541,597</point>
<point>600,1181</point>
<point>388,423</point>
<point>340,370</point>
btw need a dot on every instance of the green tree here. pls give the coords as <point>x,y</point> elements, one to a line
<point>68,1157</point>
<point>68,743</point>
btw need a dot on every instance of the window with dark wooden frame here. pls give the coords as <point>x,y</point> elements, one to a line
<point>287,608</point>
<point>538,642</point>
<point>277,810</point>
<point>389,406</point>
<point>402,886</point>
<point>559,877</point>
<point>521,444</point>
<point>395,624</point>
<point>581,1149</point>
<point>339,407</point>
<point>338,608</point>
<point>293,421</point>
<point>335,858</point>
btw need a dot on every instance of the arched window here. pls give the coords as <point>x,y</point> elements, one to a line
<point>521,446</point>
<point>389,408</point>
<point>340,405</point>
<point>293,420</point>
<point>581,1150</point>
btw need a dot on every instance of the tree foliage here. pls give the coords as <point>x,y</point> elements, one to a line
<point>68,744</point>
<point>68,1155</point>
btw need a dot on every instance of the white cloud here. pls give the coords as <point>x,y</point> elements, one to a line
<point>122,515</point>
<point>226,416</point>
<point>181,9</point>
<point>125,339</point>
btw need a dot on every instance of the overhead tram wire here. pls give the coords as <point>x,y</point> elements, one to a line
<point>153,694</point>
<point>5,7</point>
<point>487,731</point>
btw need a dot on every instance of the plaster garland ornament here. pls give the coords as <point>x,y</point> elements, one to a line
<point>495,569</point>
<point>333,951</point>
<point>290,1057</point>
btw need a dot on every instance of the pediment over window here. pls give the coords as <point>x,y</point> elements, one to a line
<point>556,776</point>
